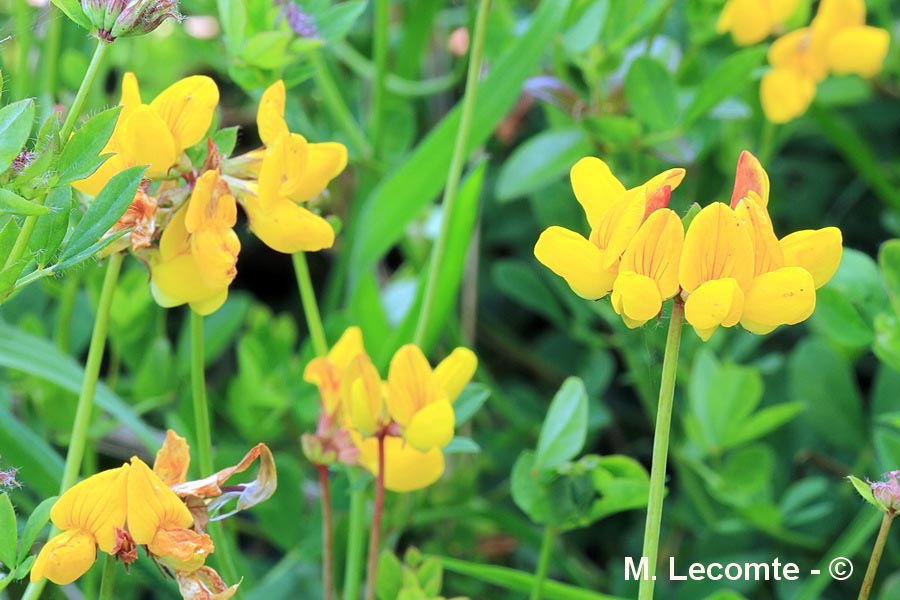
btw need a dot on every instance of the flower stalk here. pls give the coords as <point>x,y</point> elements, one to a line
<point>875,559</point>
<point>375,536</point>
<point>661,449</point>
<point>108,580</point>
<point>460,149</point>
<point>355,537</point>
<point>327,536</point>
<point>543,565</point>
<point>310,307</point>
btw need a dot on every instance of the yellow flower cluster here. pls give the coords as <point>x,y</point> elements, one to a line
<point>728,268</point>
<point>411,412</point>
<point>196,258</point>
<point>94,514</point>
<point>837,41</point>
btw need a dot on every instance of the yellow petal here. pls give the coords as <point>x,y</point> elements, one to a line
<point>782,10</point>
<point>286,227</point>
<point>818,251</point>
<point>786,94</point>
<point>211,203</point>
<point>283,168</point>
<point>215,251</point>
<point>750,176</point>
<point>152,505</point>
<point>406,469</point>
<point>717,302</point>
<point>767,253</point>
<point>655,252</point>
<point>431,427</point>
<point>636,297</point>
<point>671,178</point>
<point>410,384</point>
<point>324,162</point>
<point>175,240</point>
<point>180,281</point>
<point>362,396</point>
<point>95,182</point>
<point>454,372</point>
<point>173,459</point>
<point>181,549</point>
<point>186,107</point>
<point>131,95</point>
<point>270,116</point>
<point>834,15</point>
<point>716,246</point>
<point>576,260</point>
<point>145,140</point>
<point>347,347</point>
<point>858,51</point>
<point>786,296</point>
<point>209,305</point>
<point>96,505</point>
<point>619,225</point>
<point>748,21</point>
<point>595,187</point>
<point>65,558</point>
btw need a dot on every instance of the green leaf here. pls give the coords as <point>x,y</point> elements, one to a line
<point>16,120</point>
<point>268,49</point>
<point>865,490</point>
<point>225,140</point>
<point>541,160</point>
<point>765,421</point>
<point>401,196</point>
<point>12,203</point>
<point>72,9</point>
<point>622,484</point>
<point>838,319</point>
<point>109,205</point>
<point>651,94</point>
<point>470,402</point>
<point>519,581</point>
<point>36,522</point>
<point>336,22</point>
<point>729,78</point>
<point>462,445</point>
<point>818,372</point>
<point>565,427</point>
<point>8,532</point>
<point>8,236</point>
<point>31,453</point>
<point>889,264</point>
<point>24,567</point>
<point>586,30</point>
<point>886,344</point>
<point>233,17</point>
<point>80,156</point>
<point>390,576</point>
<point>32,355</point>
<point>521,282</point>
<point>50,230</point>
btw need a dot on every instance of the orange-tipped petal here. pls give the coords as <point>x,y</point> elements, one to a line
<point>750,176</point>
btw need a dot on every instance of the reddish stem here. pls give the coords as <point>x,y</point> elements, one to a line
<point>327,543</point>
<point>374,538</point>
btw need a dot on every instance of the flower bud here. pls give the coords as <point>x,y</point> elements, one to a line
<point>113,19</point>
<point>888,492</point>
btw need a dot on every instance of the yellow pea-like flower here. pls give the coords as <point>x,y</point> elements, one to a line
<point>276,179</point>
<point>837,41</point>
<point>88,515</point>
<point>752,21</point>
<point>327,372</point>
<point>197,257</point>
<point>155,134</point>
<point>421,400</point>
<point>362,398</point>
<point>406,468</point>
<point>614,214</point>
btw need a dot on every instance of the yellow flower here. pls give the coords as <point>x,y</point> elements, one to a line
<point>288,171</point>
<point>752,21</point>
<point>734,269</point>
<point>406,469</point>
<point>837,41</point>
<point>88,515</point>
<point>614,214</point>
<point>648,272</point>
<point>158,133</point>
<point>327,372</point>
<point>420,400</point>
<point>160,520</point>
<point>197,256</point>
<point>362,398</point>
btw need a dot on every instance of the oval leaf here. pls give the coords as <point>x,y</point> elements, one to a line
<point>565,428</point>
<point>15,127</point>
<point>540,161</point>
<point>12,203</point>
<point>651,94</point>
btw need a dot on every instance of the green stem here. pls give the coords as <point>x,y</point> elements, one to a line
<point>335,104</point>
<point>310,307</point>
<point>355,537</point>
<point>51,51</point>
<point>877,551</point>
<point>377,514</point>
<point>327,536</point>
<point>81,95</point>
<point>69,295</point>
<point>78,439</point>
<point>543,562</point>
<point>24,25</point>
<point>108,581</point>
<point>456,166</point>
<point>767,142</point>
<point>661,450</point>
<point>28,225</point>
<point>204,440</point>
<point>381,31</point>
